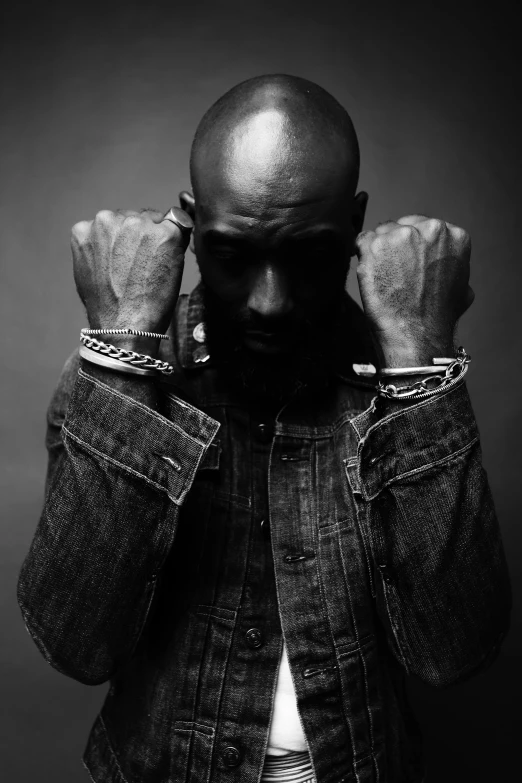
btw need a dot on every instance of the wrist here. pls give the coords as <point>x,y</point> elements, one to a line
<point>414,353</point>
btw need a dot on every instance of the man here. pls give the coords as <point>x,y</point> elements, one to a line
<point>258,547</point>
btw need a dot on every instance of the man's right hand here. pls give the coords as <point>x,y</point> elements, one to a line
<point>127,268</point>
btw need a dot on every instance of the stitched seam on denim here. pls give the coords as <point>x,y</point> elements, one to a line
<point>417,406</point>
<point>366,540</point>
<point>88,771</point>
<point>151,589</point>
<point>346,715</point>
<point>395,628</point>
<point>36,633</point>
<point>278,596</point>
<point>111,749</point>
<point>436,463</point>
<point>421,469</point>
<point>234,631</point>
<point>346,650</point>
<point>312,469</point>
<point>212,457</point>
<point>228,616</point>
<point>200,728</point>
<point>332,527</point>
<point>230,497</point>
<point>363,759</point>
<point>120,465</point>
<point>315,433</point>
<point>149,412</point>
<point>361,656</point>
<point>34,630</point>
<point>228,654</point>
<point>365,535</point>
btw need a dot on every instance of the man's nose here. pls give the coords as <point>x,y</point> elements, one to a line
<point>270,294</point>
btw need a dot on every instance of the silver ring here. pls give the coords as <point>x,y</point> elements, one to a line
<point>180,219</point>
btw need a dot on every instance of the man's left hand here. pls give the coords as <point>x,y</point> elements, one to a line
<point>413,277</point>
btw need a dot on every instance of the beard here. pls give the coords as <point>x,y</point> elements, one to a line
<point>304,371</point>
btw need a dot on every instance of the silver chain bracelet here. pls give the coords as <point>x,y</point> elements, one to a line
<point>130,357</point>
<point>434,384</point>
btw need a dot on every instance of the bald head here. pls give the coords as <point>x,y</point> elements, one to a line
<point>274,168</point>
<point>270,131</point>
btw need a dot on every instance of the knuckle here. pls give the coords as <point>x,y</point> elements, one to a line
<point>435,226</point>
<point>105,217</point>
<point>378,244</point>
<point>133,222</point>
<point>461,236</point>
<point>80,231</point>
<point>408,220</point>
<point>150,212</point>
<point>402,234</point>
<point>386,226</point>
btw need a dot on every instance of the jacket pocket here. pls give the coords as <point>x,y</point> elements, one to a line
<point>192,745</point>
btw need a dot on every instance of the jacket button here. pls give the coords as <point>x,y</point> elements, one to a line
<point>265,432</point>
<point>265,528</point>
<point>231,756</point>
<point>254,638</point>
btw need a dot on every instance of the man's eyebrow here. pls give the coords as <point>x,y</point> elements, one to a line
<point>214,236</point>
<point>323,236</point>
<point>319,234</point>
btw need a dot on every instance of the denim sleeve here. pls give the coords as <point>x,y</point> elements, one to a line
<point>118,473</point>
<point>437,564</point>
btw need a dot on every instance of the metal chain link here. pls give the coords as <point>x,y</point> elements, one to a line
<point>421,389</point>
<point>131,357</point>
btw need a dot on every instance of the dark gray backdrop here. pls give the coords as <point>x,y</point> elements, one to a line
<point>99,104</point>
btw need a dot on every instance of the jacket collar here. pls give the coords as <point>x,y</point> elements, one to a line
<point>193,355</point>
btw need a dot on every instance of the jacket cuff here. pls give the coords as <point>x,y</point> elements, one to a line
<point>166,453</point>
<point>401,443</point>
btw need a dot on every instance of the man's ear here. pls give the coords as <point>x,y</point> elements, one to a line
<point>360,203</point>
<point>188,204</point>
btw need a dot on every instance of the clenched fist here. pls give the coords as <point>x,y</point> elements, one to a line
<point>413,277</point>
<point>128,267</point>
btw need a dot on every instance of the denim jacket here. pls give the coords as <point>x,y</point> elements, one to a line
<point>177,549</point>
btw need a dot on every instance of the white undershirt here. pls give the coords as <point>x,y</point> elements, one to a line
<point>286,732</point>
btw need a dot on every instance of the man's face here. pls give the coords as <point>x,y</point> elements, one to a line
<point>273,245</point>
